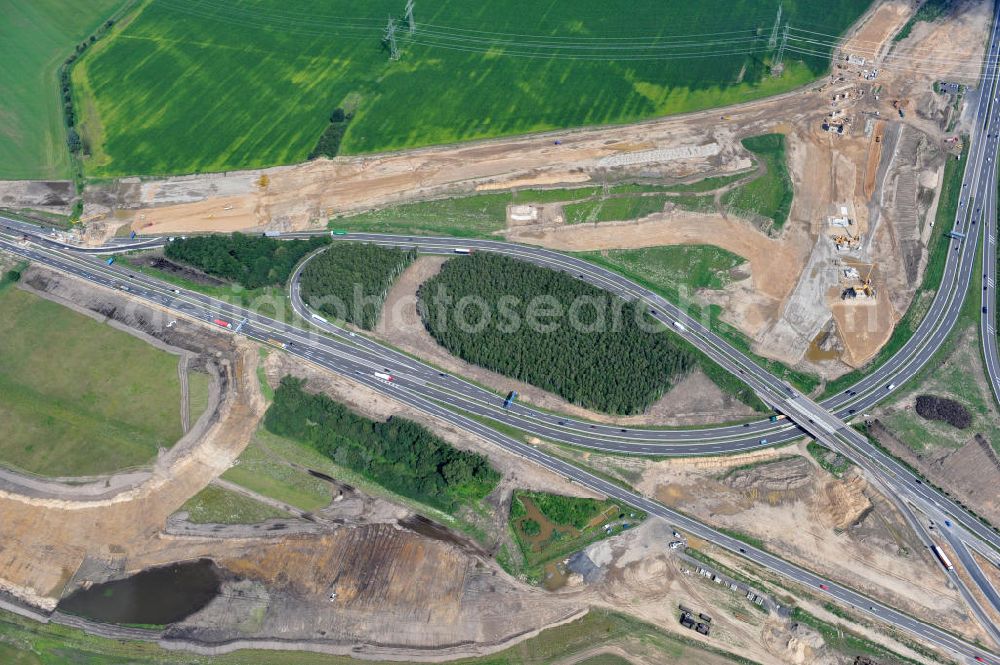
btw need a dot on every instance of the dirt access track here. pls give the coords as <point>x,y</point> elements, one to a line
<point>121,515</point>
<point>402,593</point>
<point>842,528</point>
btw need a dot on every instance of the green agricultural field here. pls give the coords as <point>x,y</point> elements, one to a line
<point>35,37</point>
<point>78,397</point>
<point>206,85</point>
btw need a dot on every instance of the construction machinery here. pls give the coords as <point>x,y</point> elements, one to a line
<point>863,289</point>
<point>846,241</point>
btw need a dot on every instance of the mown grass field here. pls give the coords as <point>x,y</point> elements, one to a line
<point>206,85</point>
<point>951,373</point>
<point>23,641</point>
<point>673,268</point>
<point>266,467</point>
<point>35,37</point>
<point>217,505</point>
<point>78,397</point>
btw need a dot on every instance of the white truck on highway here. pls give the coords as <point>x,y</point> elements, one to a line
<point>943,558</point>
<point>385,377</point>
<point>319,318</point>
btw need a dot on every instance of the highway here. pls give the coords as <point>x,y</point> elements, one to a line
<point>344,358</point>
<point>419,384</point>
<point>988,315</point>
<point>348,354</point>
<point>426,388</point>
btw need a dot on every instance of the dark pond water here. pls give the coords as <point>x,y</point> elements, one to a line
<point>153,596</point>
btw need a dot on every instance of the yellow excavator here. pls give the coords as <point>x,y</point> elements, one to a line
<point>866,285</point>
<point>846,241</point>
<point>865,288</point>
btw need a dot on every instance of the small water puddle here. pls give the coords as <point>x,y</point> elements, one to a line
<point>816,352</point>
<point>155,596</point>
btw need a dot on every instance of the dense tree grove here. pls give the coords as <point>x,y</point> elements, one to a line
<point>942,408</point>
<point>553,331</point>
<point>250,260</point>
<point>398,454</point>
<point>349,282</point>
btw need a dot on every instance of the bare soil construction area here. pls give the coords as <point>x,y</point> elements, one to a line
<point>399,591</point>
<point>368,583</point>
<point>841,528</point>
<point>634,573</point>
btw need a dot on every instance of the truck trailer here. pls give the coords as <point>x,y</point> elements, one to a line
<point>225,324</point>
<point>943,558</point>
<point>385,377</point>
<point>511,396</point>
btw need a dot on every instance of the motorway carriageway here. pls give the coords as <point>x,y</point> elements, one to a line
<point>343,361</point>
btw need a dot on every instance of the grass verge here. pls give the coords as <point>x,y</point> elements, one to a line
<point>277,467</point>
<point>217,505</point>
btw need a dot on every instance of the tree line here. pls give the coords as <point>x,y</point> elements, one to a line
<point>594,352</point>
<point>398,454</point>
<point>328,144</point>
<point>73,138</point>
<point>252,261</point>
<point>349,282</point>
